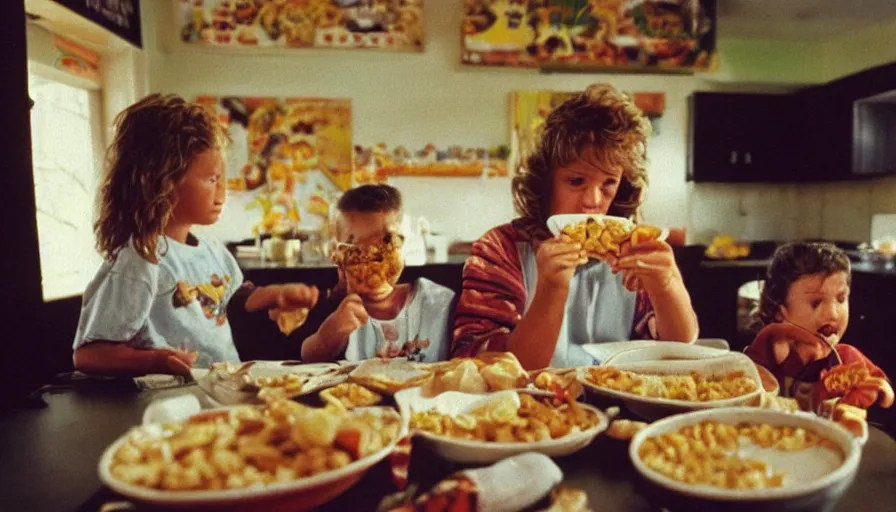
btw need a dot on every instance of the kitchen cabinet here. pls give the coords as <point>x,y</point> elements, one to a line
<point>741,138</point>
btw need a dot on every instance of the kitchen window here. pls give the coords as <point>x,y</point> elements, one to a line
<point>66,151</point>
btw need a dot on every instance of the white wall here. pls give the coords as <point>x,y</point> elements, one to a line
<point>414,99</point>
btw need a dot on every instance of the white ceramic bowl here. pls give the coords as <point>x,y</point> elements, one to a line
<point>556,223</point>
<point>664,351</point>
<point>652,408</point>
<point>482,452</point>
<point>819,492</point>
<point>301,494</point>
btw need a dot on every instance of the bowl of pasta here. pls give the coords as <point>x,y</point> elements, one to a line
<point>659,388</point>
<point>281,455</point>
<point>744,458</point>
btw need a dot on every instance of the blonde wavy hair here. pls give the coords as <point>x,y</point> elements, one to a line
<point>601,118</point>
<point>156,140</point>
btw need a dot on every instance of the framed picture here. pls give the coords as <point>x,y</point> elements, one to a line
<point>246,24</point>
<point>616,34</point>
<point>529,109</point>
<point>292,155</point>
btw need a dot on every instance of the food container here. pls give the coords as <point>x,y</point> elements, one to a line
<point>297,495</point>
<point>813,487</point>
<point>484,452</point>
<point>652,408</point>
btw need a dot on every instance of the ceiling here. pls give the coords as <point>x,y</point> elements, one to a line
<point>800,20</point>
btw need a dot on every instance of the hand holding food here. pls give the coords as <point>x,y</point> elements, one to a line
<point>606,238</point>
<point>786,349</point>
<point>856,385</point>
<point>650,264</point>
<point>348,317</point>
<point>557,261</point>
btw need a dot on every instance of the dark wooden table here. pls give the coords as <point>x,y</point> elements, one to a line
<point>49,456</point>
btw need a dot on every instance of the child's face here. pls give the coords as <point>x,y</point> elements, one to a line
<point>199,197</point>
<point>820,303</point>
<point>585,186</point>
<point>366,228</point>
<point>372,280</point>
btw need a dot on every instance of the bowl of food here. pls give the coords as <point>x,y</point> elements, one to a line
<point>387,376</point>
<point>280,455</point>
<point>479,429</point>
<point>655,389</point>
<point>744,458</point>
<point>665,351</point>
<point>603,236</point>
<point>233,384</point>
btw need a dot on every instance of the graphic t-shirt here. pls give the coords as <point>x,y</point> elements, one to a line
<point>420,331</point>
<point>179,303</point>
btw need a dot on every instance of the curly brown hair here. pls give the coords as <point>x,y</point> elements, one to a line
<point>601,118</point>
<point>791,262</point>
<point>156,140</point>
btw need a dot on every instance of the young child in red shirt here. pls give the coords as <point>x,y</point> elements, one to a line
<point>804,306</point>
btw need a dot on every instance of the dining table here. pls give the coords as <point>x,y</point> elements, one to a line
<point>50,449</point>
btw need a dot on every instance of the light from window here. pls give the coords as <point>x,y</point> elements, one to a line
<point>66,177</point>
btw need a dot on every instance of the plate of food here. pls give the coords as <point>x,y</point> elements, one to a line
<point>478,429</point>
<point>746,459</point>
<point>603,235</point>
<point>232,384</point>
<point>654,389</point>
<point>389,376</point>
<point>279,454</point>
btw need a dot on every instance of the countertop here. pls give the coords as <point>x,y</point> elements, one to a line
<point>862,267</point>
<point>258,264</point>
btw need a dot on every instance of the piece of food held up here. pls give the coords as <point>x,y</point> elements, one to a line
<point>604,237</point>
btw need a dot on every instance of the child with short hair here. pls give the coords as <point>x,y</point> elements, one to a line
<point>378,317</point>
<point>158,302</point>
<point>804,306</point>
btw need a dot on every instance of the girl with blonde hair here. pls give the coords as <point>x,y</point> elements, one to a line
<point>540,297</point>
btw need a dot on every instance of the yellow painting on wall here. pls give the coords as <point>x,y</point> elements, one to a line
<point>289,154</point>
<point>247,24</point>
<point>529,109</point>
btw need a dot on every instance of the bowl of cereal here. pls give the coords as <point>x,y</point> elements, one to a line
<point>655,389</point>
<point>280,455</point>
<point>743,458</point>
<point>479,429</point>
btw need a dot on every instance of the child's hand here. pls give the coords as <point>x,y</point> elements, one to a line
<point>348,317</point>
<point>650,264</point>
<point>173,362</point>
<point>557,260</point>
<point>297,296</point>
<point>282,296</point>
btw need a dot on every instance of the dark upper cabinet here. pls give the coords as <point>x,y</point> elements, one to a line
<point>741,138</point>
<point>841,130</point>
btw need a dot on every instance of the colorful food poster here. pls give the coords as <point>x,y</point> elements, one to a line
<point>529,109</point>
<point>376,163</point>
<point>612,33</point>
<point>77,60</point>
<point>288,156</point>
<point>377,24</point>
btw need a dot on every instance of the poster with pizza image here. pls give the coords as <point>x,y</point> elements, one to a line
<point>530,109</point>
<point>288,157</point>
<point>372,24</point>
<point>672,34</point>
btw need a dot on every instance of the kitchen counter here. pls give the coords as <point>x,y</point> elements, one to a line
<point>258,264</point>
<point>861,267</point>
